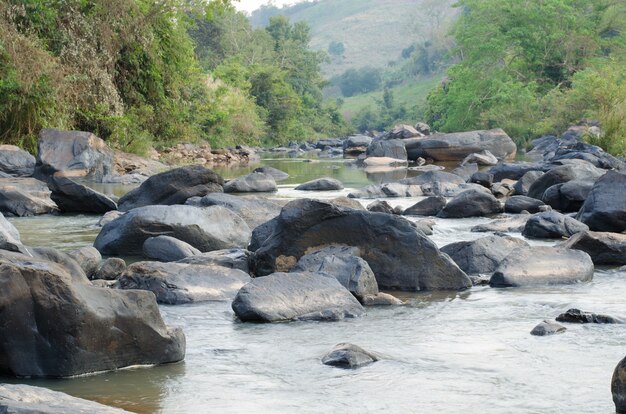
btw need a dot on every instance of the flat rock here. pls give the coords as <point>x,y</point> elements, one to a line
<point>346,355</point>
<point>482,256</point>
<point>252,183</point>
<point>25,197</point>
<point>321,184</point>
<point>72,197</point>
<point>603,247</point>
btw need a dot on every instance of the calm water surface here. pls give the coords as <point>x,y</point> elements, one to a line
<point>468,352</point>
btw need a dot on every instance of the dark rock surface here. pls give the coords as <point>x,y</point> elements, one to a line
<point>547,328</point>
<point>568,197</point>
<point>563,174</point>
<point>88,258</point>
<point>430,206</point>
<point>388,149</point>
<point>522,186</point>
<point>605,207</point>
<point>618,387</point>
<point>578,316</point>
<point>471,203</point>
<point>519,203</point>
<point>552,225</point>
<point>380,206</point>
<point>72,197</point>
<point>111,269</point>
<point>167,249</point>
<point>603,247</point>
<point>482,256</point>
<point>346,355</point>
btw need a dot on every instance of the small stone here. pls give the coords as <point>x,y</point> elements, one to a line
<point>547,327</point>
<point>348,356</point>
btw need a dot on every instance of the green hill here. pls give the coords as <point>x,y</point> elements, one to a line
<point>373,32</point>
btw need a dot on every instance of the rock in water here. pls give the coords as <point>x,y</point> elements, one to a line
<point>26,399</point>
<point>348,356</point>
<point>356,144</point>
<point>394,149</point>
<point>482,256</point>
<point>471,203</point>
<point>81,154</point>
<point>180,283</point>
<point>430,206</point>
<point>56,325</point>
<point>88,258</point>
<point>321,184</point>
<point>24,197</point>
<point>548,327</point>
<point>206,229</point>
<point>399,254</point>
<point>532,266</point>
<point>252,183</point>
<point>110,269</point>
<point>173,187</point>
<point>603,247</point>
<point>605,207</point>
<point>276,173</point>
<point>618,387</point>
<point>167,249</point>
<point>228,258</point>
<point>72,197</point>
<point>295,296</point>
<point>10,237</point>
<point>578,316</point>
<point>552,225</point>
<point>564,174</point>
<point>519,203</point>
<point>16,162</point>
<point>456,146</point>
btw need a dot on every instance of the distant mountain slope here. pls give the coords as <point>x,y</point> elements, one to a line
<point>373,32</point>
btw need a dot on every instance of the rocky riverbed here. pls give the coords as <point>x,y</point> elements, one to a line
<point>397,285</point>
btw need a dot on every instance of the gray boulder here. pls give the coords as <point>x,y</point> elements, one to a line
<point>522,186</point>
<point>24,197</point>
<point>404,131</point>
<point>567,197</point>
<point>552,225</point>
<point>295,296</point>
<point>348,356</point>
<point>181,283</point>
<point>393,148</point>
<point>206,229</point>
<point>167,249</point>
<point>56,325</point>
<point>229,258</point>
<point>110,269</point>
<point>618,387</point>
<point>400,255</point>
<point>519,203</point>
<point>605,206</point>
<point>274,172</point>
<point>578,316</point>
<point>10,237</point>
<point>548,327</point>
<point>465,171</point>
<point>515,171</point>
<point>173,187</point>
<point>456,146</point>
<point>532,266</point>
<point>471,203</point>
<point>16,162</point>
<point>482,178</point>
<point>505,225</point>
<point>72,197</point>
<point>563,174</point>
<point>356,144</point>
<point>88,258</point>
<point>430,206</point>
<point>481,158</point>
<point>482,256</point>
<point>252,183</point>
<point>321,184</point>
<point>603,247</point>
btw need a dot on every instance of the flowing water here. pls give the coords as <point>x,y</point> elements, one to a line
<point>467,352</point>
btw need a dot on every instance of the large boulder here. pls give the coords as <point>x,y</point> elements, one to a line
<point>255,182</point>
<point>343,264</point>
<point>393,148</point>
<point>295,296</point>
<point>181,283</point>
<point>456,146</point>
<point>348,356</point>
<point>605,206</point>
<point>27,399</point>
<point>356,144</point>
<point>398,253</point>
<point>167,249</point>
<point>471,203</point>
<point>547,327</point>
<point>552,225</point>
<point>481,158</point>
<point>206,229</point>
<point>254,210</point>
<point>430,206</point>
<point>173,187</point>
<point>387,190</point>
<point>16,162</point>
<point>53,324</point>
<point>274,172</point>
<point>80,154</point>
<point>522,186</point>
<point>404,131</point>
<point>515,171</point>
<point>563,174</point>
<point>618,387</point>
<point>519,203</point>
<point>24,197</point>
<point>482,256</point>
<point>321,184</point>
<point>72,197</point>
<point>532,266</point>
<point>10,236</point>
<point>603,247</point>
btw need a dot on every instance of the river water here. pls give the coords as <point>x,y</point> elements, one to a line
<point>444,352</point>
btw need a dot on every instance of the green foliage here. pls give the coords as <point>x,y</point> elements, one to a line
<point>358,81</point>
<point>336,48</point>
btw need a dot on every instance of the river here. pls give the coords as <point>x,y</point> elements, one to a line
<point>449,352</point>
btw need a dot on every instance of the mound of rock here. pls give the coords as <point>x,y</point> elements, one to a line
<point>321,184</point>
<point>16,162</point>
<point>552,225</point>
<point>24,197</point>
<point>456,146</point>
<point>605,206</point>
<point>430,206</point>
<point>167,249</point>
<point>603,247</point>
<point>72,197</point>
<point>482,256</point>
<point>471,203</point>
<point>348,356</point>
<point>255,182</point>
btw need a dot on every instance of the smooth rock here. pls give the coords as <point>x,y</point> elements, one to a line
<point>167,249</point>
<point>393,148</point>
<point>252,183</point>
<point>356,144</point>
<point>605,206</point>
<point>111,269</point>
<point>482,256</point>
<point>563,174</point>
<point>567,197</point>
<point>505,225</point>
<point>16,162</point>
<point>346,355</point>
<point>25,197</point>
<point>578,316</point>
<point>618,387</point>
<point>72,197</point>
<point>456,146</point>
<point>481,158</point>
<point>229,258</point>
<point>519,203</point>
<point>88,258</point>
<point>321,184</point>
<point>604,248</point>
<point>471,203</point>
<point>380,206</point>
<point>274,172</point>
<point>522,186</point>
<point>10,236</point>
<point>547,328</point>
<point>430,206</point>
<point>552,225</point>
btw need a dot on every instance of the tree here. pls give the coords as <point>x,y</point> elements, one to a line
<point>336,48</point>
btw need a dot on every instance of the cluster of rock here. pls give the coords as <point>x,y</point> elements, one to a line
<point>203,154</point>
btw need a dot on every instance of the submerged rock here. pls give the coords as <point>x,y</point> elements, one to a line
<point>578,316</point>
<point>321,184</point>
<point>295,296</point>
<point>548,327</point>
<point>348,356</point>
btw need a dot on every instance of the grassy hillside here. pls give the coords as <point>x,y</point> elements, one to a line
<point>373,32</point>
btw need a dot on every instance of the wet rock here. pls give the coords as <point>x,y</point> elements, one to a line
<point>578,316</point>
<point>356,144</point>
<point>563,174</point>
<point>471,203</point>
<point>567,197</point>
<point>167,249</point>
<point>72,197</point>
<point>206,229</point>
<point>181,283</point>
<point>505,225</point>
<point>532,266</point>
<point>25,197</point>
<point>80,154</point>
<point>56,325</point>
<point>548,327</point>
<point>605,206</point>
<point>343,264</point>
<point>228,258</point>
<point>381,299</point>
<point>88,258</point>
<point>380,206</point>
<point>252,183</point>
<point>400,255</point>
<point>481,158</point>
<point>26,399</point>
<point>274,172</point>
<point>173,187</point>
<point>430,206</point>
<point>111,269</point>
<point>348,356</point>
<point>254,210</point>
<point>16,162</point>
<point>456,146</point>
<point>603,247</point>
<point>482,256</point>
<point>393,148</point>
<point>517,204</point>
<point>482,178</point>
<point>295,296</point>
<point>618,387</point>
<point>321,184</point>
<point>522,186</point>
<point>552,225</point>
<point>10,236</point>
